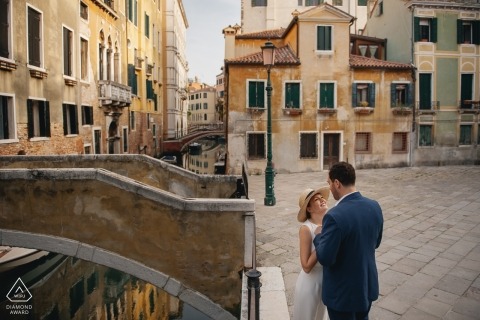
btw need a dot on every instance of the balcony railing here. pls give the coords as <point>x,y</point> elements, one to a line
<point>469,106</point>
<point>427,106</point>
<point>114,93</point>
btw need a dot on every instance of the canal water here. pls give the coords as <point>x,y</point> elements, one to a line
<point>206,156</point>
<point>61,287</point>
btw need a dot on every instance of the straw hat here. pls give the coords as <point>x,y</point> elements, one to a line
<point>305,197</point>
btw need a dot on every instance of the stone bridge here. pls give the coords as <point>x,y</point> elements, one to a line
<point>177,146</point>
<point>165,225</point>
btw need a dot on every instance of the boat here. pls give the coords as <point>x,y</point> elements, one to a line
<point>169,159</point>
<point>12,257</point>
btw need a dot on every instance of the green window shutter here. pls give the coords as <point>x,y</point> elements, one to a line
<point>354,95</point>
<point>324,38</point>
<point>476,31</point>
<point>252,94</point>
<point>155,103</point>
<point>326,95</point>
<point>75,120</point>
<point>46,120</point>
<point>433,30</point>
<point>292,95</point>
<point>416,29</point>
<point>393,95</point>
<point>459,31</point>
<point>371,93</point>
<point>147,26</point>
<point>425,91</point>
<point>30,118</point>
<point>65,119</point>
<point>410,95</point>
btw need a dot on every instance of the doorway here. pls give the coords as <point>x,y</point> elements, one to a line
<point>331,149</point>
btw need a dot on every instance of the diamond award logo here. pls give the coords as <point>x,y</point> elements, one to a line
<point>19,292</point>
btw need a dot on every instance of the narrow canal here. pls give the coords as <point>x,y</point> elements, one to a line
<point>61,287</point>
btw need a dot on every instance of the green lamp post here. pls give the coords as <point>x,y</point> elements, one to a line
<point>268,53</point>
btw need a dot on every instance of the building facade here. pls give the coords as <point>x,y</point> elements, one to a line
<point>326,105</point>
<point>90,76</point>
<point>260,15</point>
<point>175,77</point>
<point>202,102</point>
<point>441,39</point>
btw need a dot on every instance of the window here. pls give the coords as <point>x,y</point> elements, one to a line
<point>132,79</point>
<point>132,11</point>
<point>83,59</point>
<point>147,26</point>
<point>7,120</point>
<point>400,142</point>
<point>83,11</point>
<point>256,146</point>
<point>5,39</point>
<point>205,95</point>
<point>425,93</point>
<point>132,120</point>
<point>425,29</point>
<point>67,52</point>
<point>308,145</point>
<point>337,2</point>
<point>425,137</point>
<point>34,37</point>
<point>259,3</point>
<point>256,94</point>
<point>362,2</point>
<point>466,90</point>
<point>150,93</point>
<point>363,142</point>
<point>292,95</point>
<point>465,134</point>
<point>326,95</point>
<point>87,149</point>
<point>38,118</point>
<point>87,115</point>
<point>313,2</point>
<point>324,38</point>
<point>468,31</point>
<point>205,106</point>
<point>401,95</point>
<point>363,95</point>
<point>97,141</point>
<point>70,122</point>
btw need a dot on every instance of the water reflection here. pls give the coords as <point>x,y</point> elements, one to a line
<point>206,156</point>
<point>63,287</point>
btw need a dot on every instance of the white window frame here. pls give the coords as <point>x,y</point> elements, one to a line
<point>335,87</point>
<point>66,76</point>
<point>12,119</point>
<point>332,40</point>
<point>284,95</point>
<point>317,145</point>
<point>42,44</point>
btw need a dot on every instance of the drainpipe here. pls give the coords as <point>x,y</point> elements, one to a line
<point>414,84</point>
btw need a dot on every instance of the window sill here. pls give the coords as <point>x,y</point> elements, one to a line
<point>256,110</point>
<point>327,110</point>
<point>6,141</point>
<point>70,81</point>
<point>292,112</point>
<point>39,139</point>
<point>7,64</point>
<point>401,111</point>
<point>38,73</point>
<point>363,110</point>
<point>432,112</point>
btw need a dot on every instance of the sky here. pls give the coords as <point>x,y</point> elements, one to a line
<point>205,42</point>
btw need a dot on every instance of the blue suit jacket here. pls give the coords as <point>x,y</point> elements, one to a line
<point>351,232</point>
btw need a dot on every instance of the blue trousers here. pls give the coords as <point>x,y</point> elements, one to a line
<point>342,315</point>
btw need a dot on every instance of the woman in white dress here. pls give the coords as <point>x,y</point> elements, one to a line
<point>308,303</point>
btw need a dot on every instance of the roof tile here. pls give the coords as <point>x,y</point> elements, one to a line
<point>364,62</point>
<point>283,55</point>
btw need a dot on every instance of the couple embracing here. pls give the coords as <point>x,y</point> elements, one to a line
<point>337,250</point>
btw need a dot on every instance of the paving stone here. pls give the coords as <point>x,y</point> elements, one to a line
<point>468,307</point>
<point>453,284</point>
<point>416,314</point>
<point>433,307</point>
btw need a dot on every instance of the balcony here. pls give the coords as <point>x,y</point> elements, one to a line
<point>107,6</point>
<point>427,107</point>
<point>111,93</point>
<point>469,106</point>
<point>138,63</point>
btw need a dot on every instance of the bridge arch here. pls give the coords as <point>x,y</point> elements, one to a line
<point>202,244</point>
<point>112,260</point>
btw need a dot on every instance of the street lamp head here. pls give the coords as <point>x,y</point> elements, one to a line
<point>268,53</point>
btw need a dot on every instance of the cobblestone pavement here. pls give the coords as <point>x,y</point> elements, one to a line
<point>429,259</point>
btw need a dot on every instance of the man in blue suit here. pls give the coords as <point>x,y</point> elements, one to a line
<point>351,232</point>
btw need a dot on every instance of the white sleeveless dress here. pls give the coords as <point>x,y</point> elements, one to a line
<point>308,303</point>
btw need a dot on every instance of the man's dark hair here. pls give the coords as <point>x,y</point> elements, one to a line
<point>343,172</point>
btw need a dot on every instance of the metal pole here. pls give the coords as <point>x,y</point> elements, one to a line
<point>253,284</point>
<point>269,172</point>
